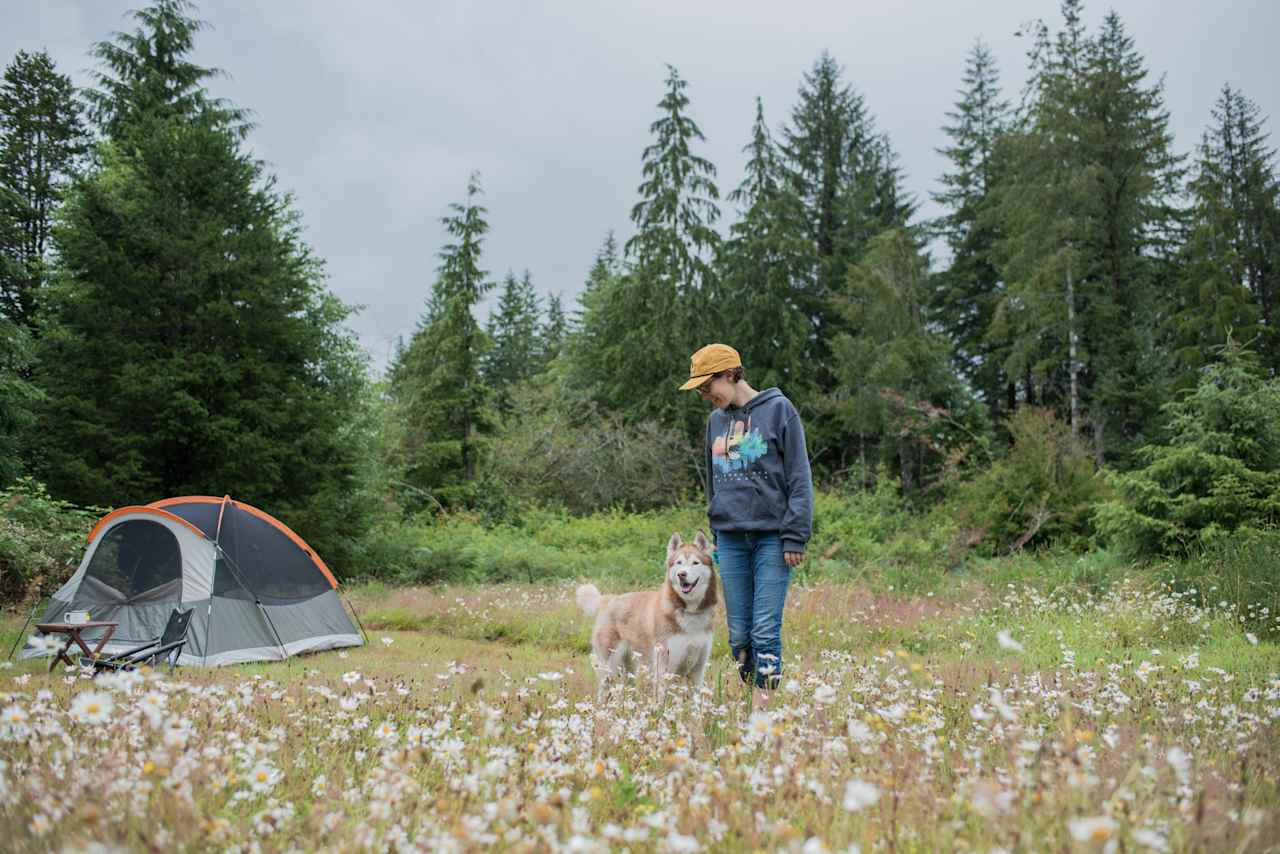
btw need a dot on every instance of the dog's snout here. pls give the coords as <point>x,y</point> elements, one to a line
<point>682,575</point>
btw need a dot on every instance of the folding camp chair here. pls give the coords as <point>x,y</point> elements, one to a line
<point>166,646</point>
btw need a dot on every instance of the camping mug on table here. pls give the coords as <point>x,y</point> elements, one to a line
<point>77,616</point>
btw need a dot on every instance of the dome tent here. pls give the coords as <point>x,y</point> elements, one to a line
<point>257,590</point>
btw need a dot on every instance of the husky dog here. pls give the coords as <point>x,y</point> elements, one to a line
<point>668,628</point>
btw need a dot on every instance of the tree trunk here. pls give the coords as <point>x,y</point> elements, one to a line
<point>1073,365</point>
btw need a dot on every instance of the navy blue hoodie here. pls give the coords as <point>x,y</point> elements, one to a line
<point>758,470</point>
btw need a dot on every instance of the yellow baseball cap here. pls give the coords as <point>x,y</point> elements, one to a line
<point>710,360</point>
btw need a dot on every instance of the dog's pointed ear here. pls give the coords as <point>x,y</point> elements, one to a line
<point>701,543</point>
<point>674,543</point>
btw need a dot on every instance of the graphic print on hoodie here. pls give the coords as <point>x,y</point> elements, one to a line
<point>758,470</point>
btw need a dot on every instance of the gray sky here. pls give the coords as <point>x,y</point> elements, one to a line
<point>373,113</point>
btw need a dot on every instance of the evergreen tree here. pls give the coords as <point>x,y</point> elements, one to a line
<point>553,332</point>
<point>513,330</point>
<point>845,177</point>
<point>1231,277</point>
<point>440,406</point>
<point>191,347</point>
<point>762,272</point>
<point>965,295</point>
<point>639,325</point>
<point>899,396</point>
<point>42,141</point>
<point>18,396</point>
<point>1086,220</point>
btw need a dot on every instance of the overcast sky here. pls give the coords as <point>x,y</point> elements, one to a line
<point>373,113</point>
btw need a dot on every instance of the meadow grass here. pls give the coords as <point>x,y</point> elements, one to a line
<point>1055,706</point>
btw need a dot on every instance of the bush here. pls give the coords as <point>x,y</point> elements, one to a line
<point>1041,492</point>
<point>567,452</point>
<point>1218,472</point>
<point>41,540</point>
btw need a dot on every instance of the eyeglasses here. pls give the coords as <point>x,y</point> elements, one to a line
<point>705,388</point>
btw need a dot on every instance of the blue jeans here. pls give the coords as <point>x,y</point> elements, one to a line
<point>754,576</point>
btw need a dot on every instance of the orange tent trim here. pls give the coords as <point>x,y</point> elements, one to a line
<point>266,517</point>
<point>138,508</point>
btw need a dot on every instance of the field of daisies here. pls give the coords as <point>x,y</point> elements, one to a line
<point>973,720</point>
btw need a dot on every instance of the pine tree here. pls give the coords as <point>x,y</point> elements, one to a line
<point>440,405</point>
<point>640,323</point>
<point>899,396</point>
<point>1086,216</point>
<point>553,332</point>
<point>1231,279</point>
<point>191,347</point>
<point>513,328</point>
<point>42,141</point>
<point>965,294</point>
<point>762,272</point>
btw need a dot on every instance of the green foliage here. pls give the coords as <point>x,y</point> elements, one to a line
<point>189,344</point>
<point>568,452</point>
<point>1230,279</point>
<point>1218,472</point>
<point>440,408</point>
<point>896,391</point>
<point>1085,212</point>
<point>1041,492</point>
<point>513,328</point>
<point>42,140</point>
<point>18,396</point>
<point>964,296</point>
<point>41,540</point>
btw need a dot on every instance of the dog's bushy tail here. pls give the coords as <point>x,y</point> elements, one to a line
<point>589,599</point>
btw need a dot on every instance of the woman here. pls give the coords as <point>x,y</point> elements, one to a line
<point>760,505</point>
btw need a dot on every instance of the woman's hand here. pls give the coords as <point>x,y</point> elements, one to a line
<point>793,559</point>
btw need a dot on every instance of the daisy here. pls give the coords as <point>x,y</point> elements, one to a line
<point>263,777</point>
<point>859,794</point>
<point>1006,641</point>
<point>92,707</point>
<point>1092,829</point>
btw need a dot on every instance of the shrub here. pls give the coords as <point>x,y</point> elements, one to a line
<point>41,540</point>
<point>567,452</point>
<point>1039,493</point>
<point>1217,473</point>
<point>1239,570</point>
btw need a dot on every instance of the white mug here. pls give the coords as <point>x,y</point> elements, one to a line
<point>77,616</point>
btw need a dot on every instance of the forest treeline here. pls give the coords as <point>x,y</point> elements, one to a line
<point>1092,353</point>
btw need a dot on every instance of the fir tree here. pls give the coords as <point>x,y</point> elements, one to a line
<point>42,141</point>
<point>1086,218</point>
<point>191,347</point>
<point>763,268</point>
<point>1231,279</point>
<point>553,332</point>
<point>440,406</point>
<point>639,325</point>
<point>513,330</point>
<point>965,294</point>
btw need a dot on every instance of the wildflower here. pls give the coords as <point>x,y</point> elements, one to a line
<point>14,716</point>
<point>680,844</point>
<point>319,786</point>
<point>1180,762</point>
<point>386,641</point>
<point>1150,839</point>
<point>1251,638</point>
<point>1006,641</point>
<point>92,707</point>
<point>1093,829</point>
<point>859,731</point>
<point>824,694</point>
<point>263,777</point>
<point>351,677</point>
<point>40,824</point>
<point>859,794</point>
<point>551,676</point>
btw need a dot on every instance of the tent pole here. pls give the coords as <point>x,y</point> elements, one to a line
<point>359,624</point>
<point>235,571</point>
<point>30,617</point>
